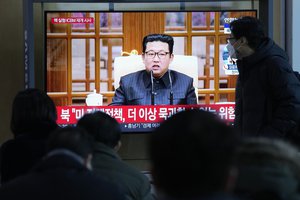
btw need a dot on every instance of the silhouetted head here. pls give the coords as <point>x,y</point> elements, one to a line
<point>73,139</point>
<point>102,127</point>
<point>192,154</point>
<point>32,109</point>
<point>250,28</point>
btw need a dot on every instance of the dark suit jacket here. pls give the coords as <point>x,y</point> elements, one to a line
<point>60,177</point>
<point>135,89</point>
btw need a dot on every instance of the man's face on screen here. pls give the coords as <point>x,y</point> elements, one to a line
<point>157,58</point>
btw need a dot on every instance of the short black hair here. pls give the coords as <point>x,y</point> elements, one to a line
<point>71,138</point>
<point>102,127</point>
<point>192,153</point>
<point>250,28</point>
<point>32,108</point>
<point>159,37</point>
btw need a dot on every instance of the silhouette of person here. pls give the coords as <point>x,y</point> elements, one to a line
<point>267,91</point>
<point>64,173</point>
<point>268,169</point>
<point>192,157</point>
<point>107,135</point>
<point>33,118</point>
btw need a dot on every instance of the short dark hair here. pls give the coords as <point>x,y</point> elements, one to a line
<point>159,37</point>
<point>102,127</point>
<point>250,28</point>
<point>192,153</point>
<point>32,108</point>
<point>71,138</point>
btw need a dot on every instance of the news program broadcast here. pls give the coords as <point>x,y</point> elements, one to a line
<point>140,67</point>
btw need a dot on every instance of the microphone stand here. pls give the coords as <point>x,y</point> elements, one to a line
<point>171,88</point>
<point>152,89</point>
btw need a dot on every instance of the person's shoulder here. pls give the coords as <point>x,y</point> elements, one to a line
<point>7,143</point>
<point>278,62</point>
<point>113,160</point>
<point>274,54</point>
<point>88,182</point>
<point>14,145</point>
<point>134,172</point>
<point>24,143</point>
<point>180,75</point>
<point>116,164</point>
<point>133,74</point>
<point>8,150</point>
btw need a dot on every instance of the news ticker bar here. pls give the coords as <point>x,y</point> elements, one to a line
<point>140,118</point>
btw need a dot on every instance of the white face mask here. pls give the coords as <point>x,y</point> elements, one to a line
<point>231,51</point>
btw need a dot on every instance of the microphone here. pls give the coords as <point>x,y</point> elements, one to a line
<point>152,88</point>
<point>233,61</point>
<point>171,88</point>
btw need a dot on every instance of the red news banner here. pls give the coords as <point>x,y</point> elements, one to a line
<point>140,118</point>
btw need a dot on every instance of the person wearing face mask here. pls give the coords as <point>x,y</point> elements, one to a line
<point>267,91</point>
<point>156,84</point>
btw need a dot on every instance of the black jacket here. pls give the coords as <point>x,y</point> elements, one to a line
<point>20,154</point>
<point>60,177</point>
<point>267,93</point>
<point>133,183</point>
<point>135,89</point>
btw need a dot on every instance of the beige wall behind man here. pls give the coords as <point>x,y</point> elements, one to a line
<point>11,60</point>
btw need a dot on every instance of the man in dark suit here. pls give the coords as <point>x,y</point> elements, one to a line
<point>64,173</point>
<point>156,85</point>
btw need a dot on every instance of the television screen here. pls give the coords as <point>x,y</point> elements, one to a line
<point>81,49</point>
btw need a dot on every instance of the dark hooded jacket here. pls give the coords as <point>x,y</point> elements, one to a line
<point>20,154</point>
<point>267,93</point>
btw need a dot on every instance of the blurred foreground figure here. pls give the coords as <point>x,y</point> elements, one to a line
<point>268,169</point>
<point>192,156</point>
<point>64,173</point>
<point>33,118</point>
<point>106,132</point>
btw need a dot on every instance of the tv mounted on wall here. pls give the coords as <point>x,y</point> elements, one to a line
<point>81,47</point>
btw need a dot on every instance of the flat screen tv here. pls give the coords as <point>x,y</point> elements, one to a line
<point>81,46</point>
